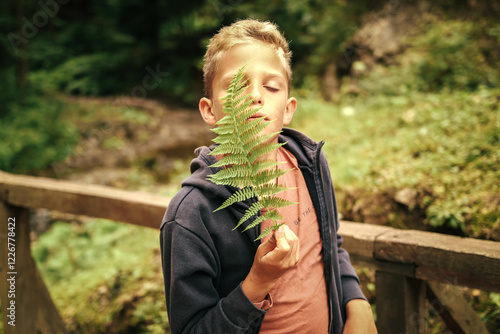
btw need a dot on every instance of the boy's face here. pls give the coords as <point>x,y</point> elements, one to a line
<point>267,82</point>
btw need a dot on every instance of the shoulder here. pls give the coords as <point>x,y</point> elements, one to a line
<point>188,205</point>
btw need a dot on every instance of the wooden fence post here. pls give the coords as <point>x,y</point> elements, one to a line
<point>400,303</point>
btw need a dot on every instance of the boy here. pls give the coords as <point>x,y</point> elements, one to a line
<point>222,281</point>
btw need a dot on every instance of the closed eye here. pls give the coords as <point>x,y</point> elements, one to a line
<point>272,89</point>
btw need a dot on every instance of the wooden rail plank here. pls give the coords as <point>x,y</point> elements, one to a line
<point>443,258</point>
<point>360,238</point>
<point>417,254</point>
<point>132,207</point>
<point>402,269</point>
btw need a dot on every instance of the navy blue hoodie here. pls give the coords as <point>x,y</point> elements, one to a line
<point>204,261</point>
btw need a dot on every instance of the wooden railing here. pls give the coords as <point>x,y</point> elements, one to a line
<point>411,266</point>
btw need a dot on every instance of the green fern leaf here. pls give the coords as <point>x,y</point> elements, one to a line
<point>268,230</point>
<point>270,189</point>
<point>276,202</point>
<point>268,175</point>
<point>232,159</point>
<point>270,215</point>
<point>264,165</point>
<point>251,211</point>
<point>241,145</point>
<point>258,151</point>
<point>239,196</point>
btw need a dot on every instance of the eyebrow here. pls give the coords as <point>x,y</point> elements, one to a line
<point>273,76</point>
<point>226,80</point>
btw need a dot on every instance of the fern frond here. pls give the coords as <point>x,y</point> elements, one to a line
<point>259,140</point>
<point>270,189</point>
<point>263,165</point>
<point>228,148</point>
<point>235,172</point>
<point>251,211</point>
<point>232,159</point>
<point>258,151</point>
<point>276,202</point>
<point>268,175</point>
<point>235,182</point>
<point>242,144</point>
<point>268,230</point>
<point>225,120</point>
<point>251,131</point>
<point>252,125</point>
<point>243,112</point>
<point>270,215</point>
<point>224,129</point>
<point>239,196</point>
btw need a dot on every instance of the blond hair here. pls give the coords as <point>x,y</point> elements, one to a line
<point>240,32</point>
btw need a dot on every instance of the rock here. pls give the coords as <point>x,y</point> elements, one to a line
<point>407,196</point>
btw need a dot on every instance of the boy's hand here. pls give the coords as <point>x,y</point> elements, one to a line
<point>272,259</point>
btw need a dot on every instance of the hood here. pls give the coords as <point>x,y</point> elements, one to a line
<point>301,146</point>
<point>199,173</point>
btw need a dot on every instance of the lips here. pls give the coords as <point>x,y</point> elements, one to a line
<point>258,115</point>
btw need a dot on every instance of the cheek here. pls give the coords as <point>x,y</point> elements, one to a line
<point>217,109</point>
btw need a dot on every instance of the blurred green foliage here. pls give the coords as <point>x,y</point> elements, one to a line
<point>456,55</point>
<point>104,47</point>
<point>441,144</point>
<point>449,54</point>
<point>105,277</point>
<point>132,48</point>
<point>33,132</point>
<point>440,97</point>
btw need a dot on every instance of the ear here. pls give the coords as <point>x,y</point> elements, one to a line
<point>207,111</point>
<point>291,106</point>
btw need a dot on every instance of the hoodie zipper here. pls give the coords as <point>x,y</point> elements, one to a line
<point>318,178</point>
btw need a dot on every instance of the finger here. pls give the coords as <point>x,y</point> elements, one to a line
<point>281,239</point>
<point>289,235</point>
<point>293,242</point>
<point>268,245</point>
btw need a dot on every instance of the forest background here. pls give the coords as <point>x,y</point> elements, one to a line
<point>405,93</point>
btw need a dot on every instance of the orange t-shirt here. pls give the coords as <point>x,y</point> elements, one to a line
<point>299,298</point>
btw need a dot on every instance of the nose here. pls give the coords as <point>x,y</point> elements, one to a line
<point>256,94</point>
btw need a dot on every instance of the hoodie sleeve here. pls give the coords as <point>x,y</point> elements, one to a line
<point>350,281</point>
<point>190,268</point>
